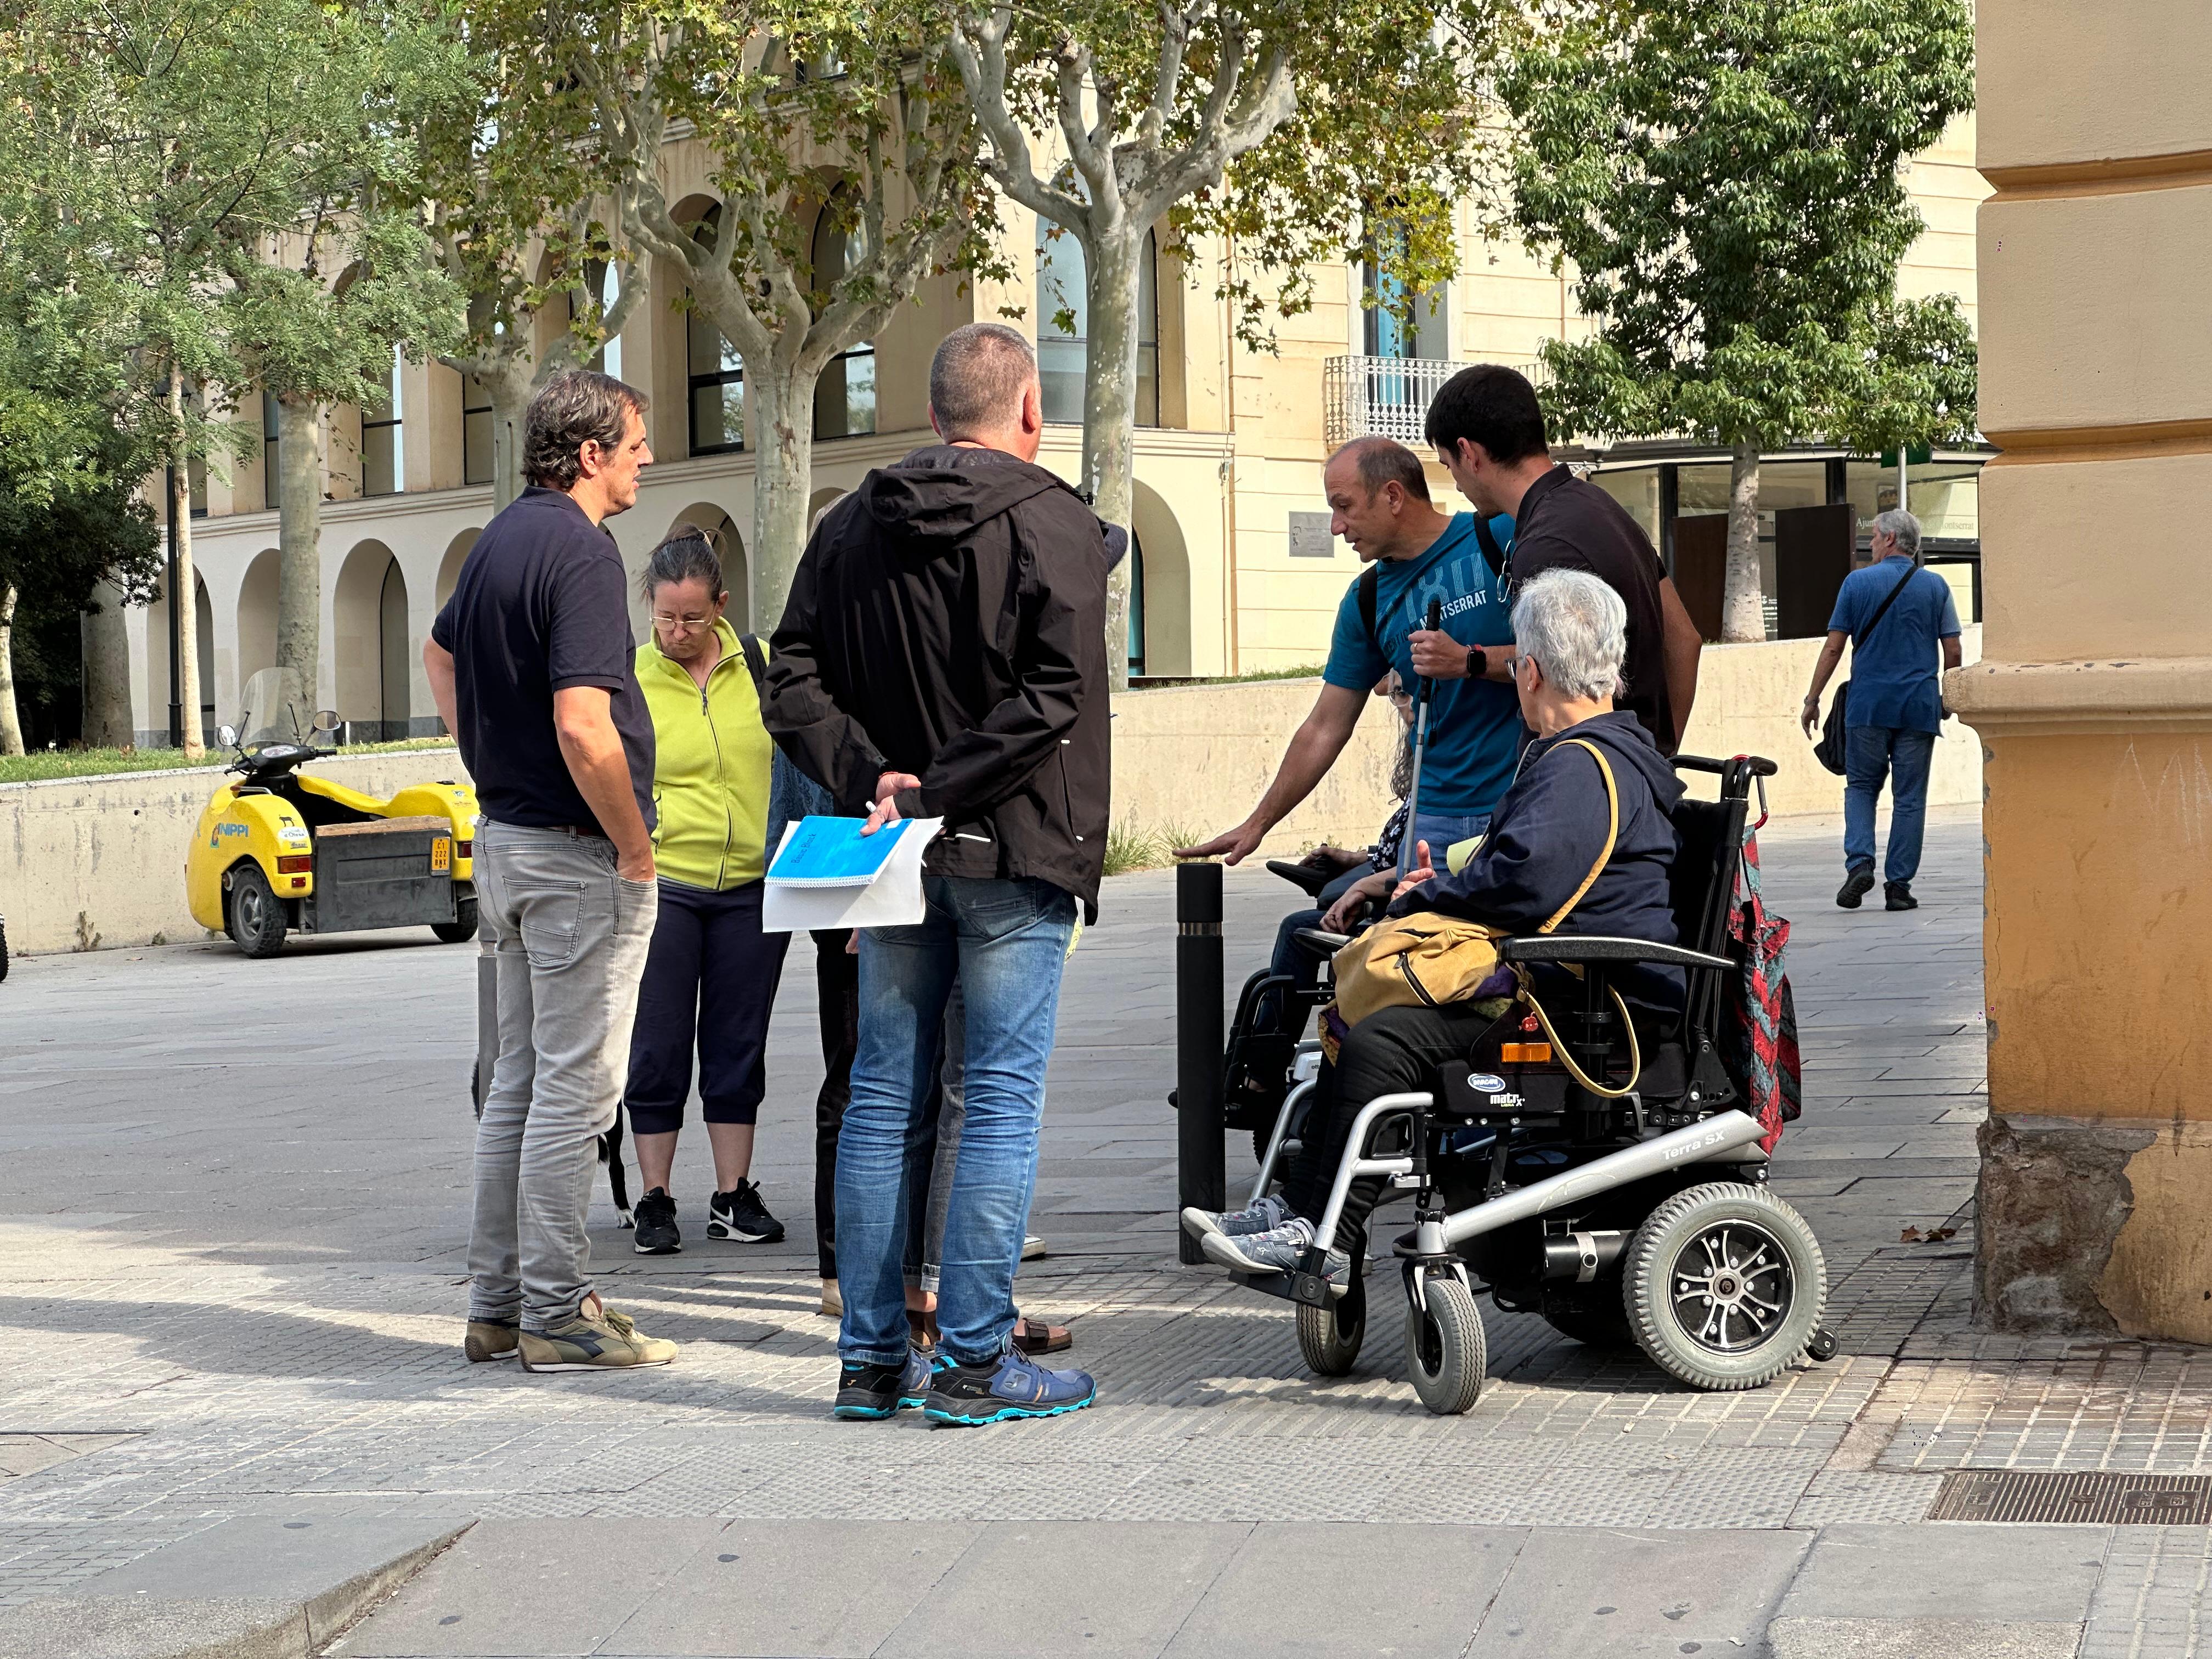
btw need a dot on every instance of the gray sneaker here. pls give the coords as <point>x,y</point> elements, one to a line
<point>1277,1251</point>
<point>1264,1215</point>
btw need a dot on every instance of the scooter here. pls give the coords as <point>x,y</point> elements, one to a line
<point>278,851</point>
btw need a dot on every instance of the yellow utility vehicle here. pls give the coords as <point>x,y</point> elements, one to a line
<point>279,851</point>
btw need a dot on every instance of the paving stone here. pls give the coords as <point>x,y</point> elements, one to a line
<point>1295,1588</point>
<point>1938,1570</point>
<point>1918,1638</point>
<point>1573,1594</point>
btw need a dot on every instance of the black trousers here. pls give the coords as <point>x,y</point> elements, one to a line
<point>837,1006</point>
<point>710,978</point>
<point>1397,1051</point>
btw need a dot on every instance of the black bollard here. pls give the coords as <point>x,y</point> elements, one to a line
<point>1202,1178</point>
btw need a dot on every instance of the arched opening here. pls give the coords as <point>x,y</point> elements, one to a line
<point>715,372</point>
<point>449,567</point>
<point>157,659</point>
<point>257,616</point>
<point>820,502</point>
<point>369,635</point>
<point>845,396</point>
<point>1063,327</point>
<point>705,515</point>
<point>1160,619</point>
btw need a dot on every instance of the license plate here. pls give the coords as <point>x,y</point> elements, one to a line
<point>441,852</point>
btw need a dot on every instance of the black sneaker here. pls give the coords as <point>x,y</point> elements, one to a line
<point>969,1396</point>
<point>739,1214</point>
<point>1857,886</point>
<point>874,1392</point>
<point>657,1233</point>
<point>1898,896</point>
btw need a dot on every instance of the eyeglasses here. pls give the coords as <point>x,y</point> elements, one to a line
<point>687,624</point>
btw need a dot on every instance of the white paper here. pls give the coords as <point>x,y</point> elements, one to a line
<point>893,899</point>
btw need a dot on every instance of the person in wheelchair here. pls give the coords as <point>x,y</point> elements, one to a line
<point>1549,829</point>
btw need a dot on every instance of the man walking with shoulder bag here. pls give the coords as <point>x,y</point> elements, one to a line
<point>1895,615</point>
<point>943,655</point>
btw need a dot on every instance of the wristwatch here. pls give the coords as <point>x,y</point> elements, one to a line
<point>1476,662</point>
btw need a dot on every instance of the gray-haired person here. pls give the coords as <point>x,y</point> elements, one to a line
<point>1570,633</point>
<point>1896,704</point>
<point>531,663</point>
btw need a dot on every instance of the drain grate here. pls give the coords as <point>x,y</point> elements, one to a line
<point>2127,1500</point>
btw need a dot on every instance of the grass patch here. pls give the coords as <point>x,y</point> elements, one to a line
<point>99,762</point>
<point>1131,846</point>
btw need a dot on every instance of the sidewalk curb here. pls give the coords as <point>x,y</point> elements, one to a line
<point>212,1627</point>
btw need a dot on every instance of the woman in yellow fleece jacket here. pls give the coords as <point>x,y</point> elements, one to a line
<point>723,794</point>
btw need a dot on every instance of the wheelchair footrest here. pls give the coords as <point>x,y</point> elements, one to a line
<point>1309,1288</point>
<point>1275,1285</point>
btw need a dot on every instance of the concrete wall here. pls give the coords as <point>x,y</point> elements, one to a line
<point>1188,760</point>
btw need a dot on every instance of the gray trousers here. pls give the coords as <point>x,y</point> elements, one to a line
<point>571,938</point>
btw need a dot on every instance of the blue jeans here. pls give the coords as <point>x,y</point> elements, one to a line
<point>1006,942</point>
<point>1869,752</point>
<point>1443,831</point>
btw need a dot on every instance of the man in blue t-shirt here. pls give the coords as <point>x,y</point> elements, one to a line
<point>1378,499</point>
<point>1896,702</point>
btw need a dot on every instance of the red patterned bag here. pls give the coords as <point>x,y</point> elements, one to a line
<point>1759,1042</point>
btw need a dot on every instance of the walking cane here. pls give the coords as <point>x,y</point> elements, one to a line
<point>1421,695</point>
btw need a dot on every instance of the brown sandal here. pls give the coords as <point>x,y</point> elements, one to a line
<point>1033,1337</point>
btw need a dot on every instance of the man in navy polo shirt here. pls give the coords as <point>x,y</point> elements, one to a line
<point>1896,704</point>
<point>1378,499</point>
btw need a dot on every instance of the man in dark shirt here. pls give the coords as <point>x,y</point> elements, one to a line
<point>530,662</point>
<point>1488,430</point>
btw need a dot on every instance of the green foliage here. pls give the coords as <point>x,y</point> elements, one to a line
<point>44,763</point>
<point>1725,178</point>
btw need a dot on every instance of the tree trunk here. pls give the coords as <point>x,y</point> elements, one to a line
<point>12,728</point>
<point>1110,413</point>
<point>512,385</point>
<point>108,721</point>
<point>1743,614</point>
<point>185,589</point>
<point>782,419</point>
<point>300,557</point>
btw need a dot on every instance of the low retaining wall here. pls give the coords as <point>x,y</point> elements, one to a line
<point>87,862</point>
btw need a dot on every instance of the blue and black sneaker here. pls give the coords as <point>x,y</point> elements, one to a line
<point>968,1396</point>
<point>866,1390</point>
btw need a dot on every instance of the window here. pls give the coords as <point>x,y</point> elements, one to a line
<point>1063,325</point>
<point>606,283</point>
<point>717,374</point>
<point>476,431</point>
<point>383,465</point>
<point>271,466</point>
<point>845,396</point>
<point>1418,333</point>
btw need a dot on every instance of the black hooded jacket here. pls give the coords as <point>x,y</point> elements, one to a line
<point>1548,831</point>
<point>948,619</point>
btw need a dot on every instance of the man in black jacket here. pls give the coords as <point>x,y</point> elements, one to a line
<point>943,655</point>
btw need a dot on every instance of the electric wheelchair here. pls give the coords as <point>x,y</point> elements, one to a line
<point>1596,1173</point>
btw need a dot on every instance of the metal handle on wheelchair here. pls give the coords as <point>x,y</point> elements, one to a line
<point>1423,692</point>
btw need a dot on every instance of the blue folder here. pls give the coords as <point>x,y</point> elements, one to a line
<point>827,852</point>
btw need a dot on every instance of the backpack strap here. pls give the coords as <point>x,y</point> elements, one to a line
<point>1612,830</point>
<point>754,664</point>
<point>1365,589</point>
<point>1493,553</point>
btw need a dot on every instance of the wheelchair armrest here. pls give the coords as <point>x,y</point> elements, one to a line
<point>1588,949</point>
<point>1318,944</point>
<point>1302,876</point>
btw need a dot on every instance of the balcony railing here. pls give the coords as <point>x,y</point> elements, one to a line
<point>1380,397</point>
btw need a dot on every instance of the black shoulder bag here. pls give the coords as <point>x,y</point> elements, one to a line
<point>1829,751</point>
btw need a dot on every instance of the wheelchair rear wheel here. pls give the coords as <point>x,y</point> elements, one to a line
<point>1725,1285</point>
<point>1329,1338</point>
<point>1445,1348</point>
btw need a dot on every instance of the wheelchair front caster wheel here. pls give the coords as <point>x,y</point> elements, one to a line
<point>1329,1338</point>
<point>1445,1348</point>
<point>1823,1345</point>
